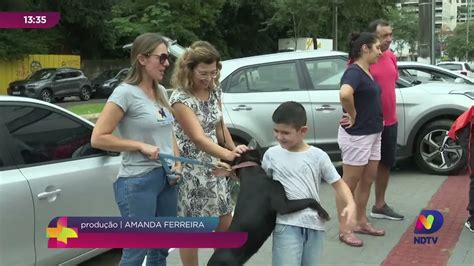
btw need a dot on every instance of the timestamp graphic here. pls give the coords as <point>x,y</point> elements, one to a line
<point>28,20</point>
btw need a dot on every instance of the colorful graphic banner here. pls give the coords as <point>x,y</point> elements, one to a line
<point>154,232</point>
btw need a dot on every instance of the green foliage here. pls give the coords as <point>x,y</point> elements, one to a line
<point>458,45</point>
<point>405,28</point>
<point>99,29</point>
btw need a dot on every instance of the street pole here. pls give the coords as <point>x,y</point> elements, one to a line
<point>336,4</point>
<point>425,31</point>
<point>433,20</point>
<point>334,41</point>
<point>467,28</point>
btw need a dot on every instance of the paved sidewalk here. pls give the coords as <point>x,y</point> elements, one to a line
<point>408,193</point>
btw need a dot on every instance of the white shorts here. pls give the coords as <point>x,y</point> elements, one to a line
<point>358,150</point>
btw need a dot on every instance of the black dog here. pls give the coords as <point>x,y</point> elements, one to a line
<point>260,199</point>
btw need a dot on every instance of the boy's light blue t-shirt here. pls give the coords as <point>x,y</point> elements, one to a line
<point>300,173</point>
<point>146,121</point>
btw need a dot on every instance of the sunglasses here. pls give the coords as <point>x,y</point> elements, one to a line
<point>161,57</point>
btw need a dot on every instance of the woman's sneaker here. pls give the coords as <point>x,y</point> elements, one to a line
<point>385,213</point>
<point>470,224</point>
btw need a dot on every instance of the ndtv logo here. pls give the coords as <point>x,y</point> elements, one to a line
<point>428,222</point>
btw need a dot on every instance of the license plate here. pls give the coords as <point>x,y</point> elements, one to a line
<point>16,93</point>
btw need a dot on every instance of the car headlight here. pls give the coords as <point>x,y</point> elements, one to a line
<point>469,94</point>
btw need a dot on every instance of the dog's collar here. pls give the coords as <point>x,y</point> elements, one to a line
<point>244,165</point>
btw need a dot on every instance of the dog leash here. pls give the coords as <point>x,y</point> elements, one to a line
<point>174,176</point>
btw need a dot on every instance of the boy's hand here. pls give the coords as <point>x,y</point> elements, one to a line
<point>348,216</point>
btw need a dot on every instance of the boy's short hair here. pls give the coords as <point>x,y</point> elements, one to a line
<point>290,113</point>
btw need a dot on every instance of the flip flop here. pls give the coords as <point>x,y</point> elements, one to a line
<point>368,229</point>
<point>350,239</point>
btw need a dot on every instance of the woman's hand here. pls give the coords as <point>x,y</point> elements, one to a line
<point>347,121</point>
<point>240,149</point>
<point>150,151</point>
<point>222,169</point>
<point>236,152</point>
<point>177,170</point>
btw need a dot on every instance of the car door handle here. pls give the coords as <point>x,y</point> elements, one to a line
<point>241,107</point>
<point>325,108</point>
<point>44,195</point>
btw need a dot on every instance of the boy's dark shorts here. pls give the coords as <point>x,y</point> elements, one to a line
<point>389,145</point>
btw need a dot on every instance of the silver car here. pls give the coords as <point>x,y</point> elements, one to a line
<point>253,87</point>
<point>48,169</point>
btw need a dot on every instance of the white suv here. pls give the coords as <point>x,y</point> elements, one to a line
<point>253,87</point>
<point>459,67</point>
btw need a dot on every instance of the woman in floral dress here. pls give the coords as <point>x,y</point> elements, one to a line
<point>196,102</point>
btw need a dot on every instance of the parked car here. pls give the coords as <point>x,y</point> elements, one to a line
<point>102,77</point>
<point>459,67</point>
<point>52,84</point>
<point>48,169</point>
<point>416,72</point>
<point>253,87</point>
<point>109,85</point>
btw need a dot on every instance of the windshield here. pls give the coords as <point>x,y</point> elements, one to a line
<point>451,66</point>
<point>41,74</point>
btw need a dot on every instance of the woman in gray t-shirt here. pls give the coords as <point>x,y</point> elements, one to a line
<point>140,110</point>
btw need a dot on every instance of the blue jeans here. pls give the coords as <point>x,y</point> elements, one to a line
<point>296,246</point>
<point>149,195</point>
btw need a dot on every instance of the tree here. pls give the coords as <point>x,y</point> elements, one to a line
<point>405,29</point>
<point>458,45</point>
<point>185,21</point>
<point>300,18</point>
<point>355,15</point>
<point>15,43</point>
<point>314,17</point>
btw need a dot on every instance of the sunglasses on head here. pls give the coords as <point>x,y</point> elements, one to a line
<point>162,57</point>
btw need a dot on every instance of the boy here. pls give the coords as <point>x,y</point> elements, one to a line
<point>298,237</point>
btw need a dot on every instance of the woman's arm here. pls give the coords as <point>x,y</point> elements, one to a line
<point>192,128</point>
<point>102,137</point>
<point>346,96</point>
<point>225,138</point>
<point>177,164</point>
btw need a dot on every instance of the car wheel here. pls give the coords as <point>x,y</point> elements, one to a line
<point>85,94</point>
<point>47,96</point>
<point>435,152</point>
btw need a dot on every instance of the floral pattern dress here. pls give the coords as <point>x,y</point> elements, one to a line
<point>201,193</point>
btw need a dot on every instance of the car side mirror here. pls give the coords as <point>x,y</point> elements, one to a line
<point>459,80</point>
